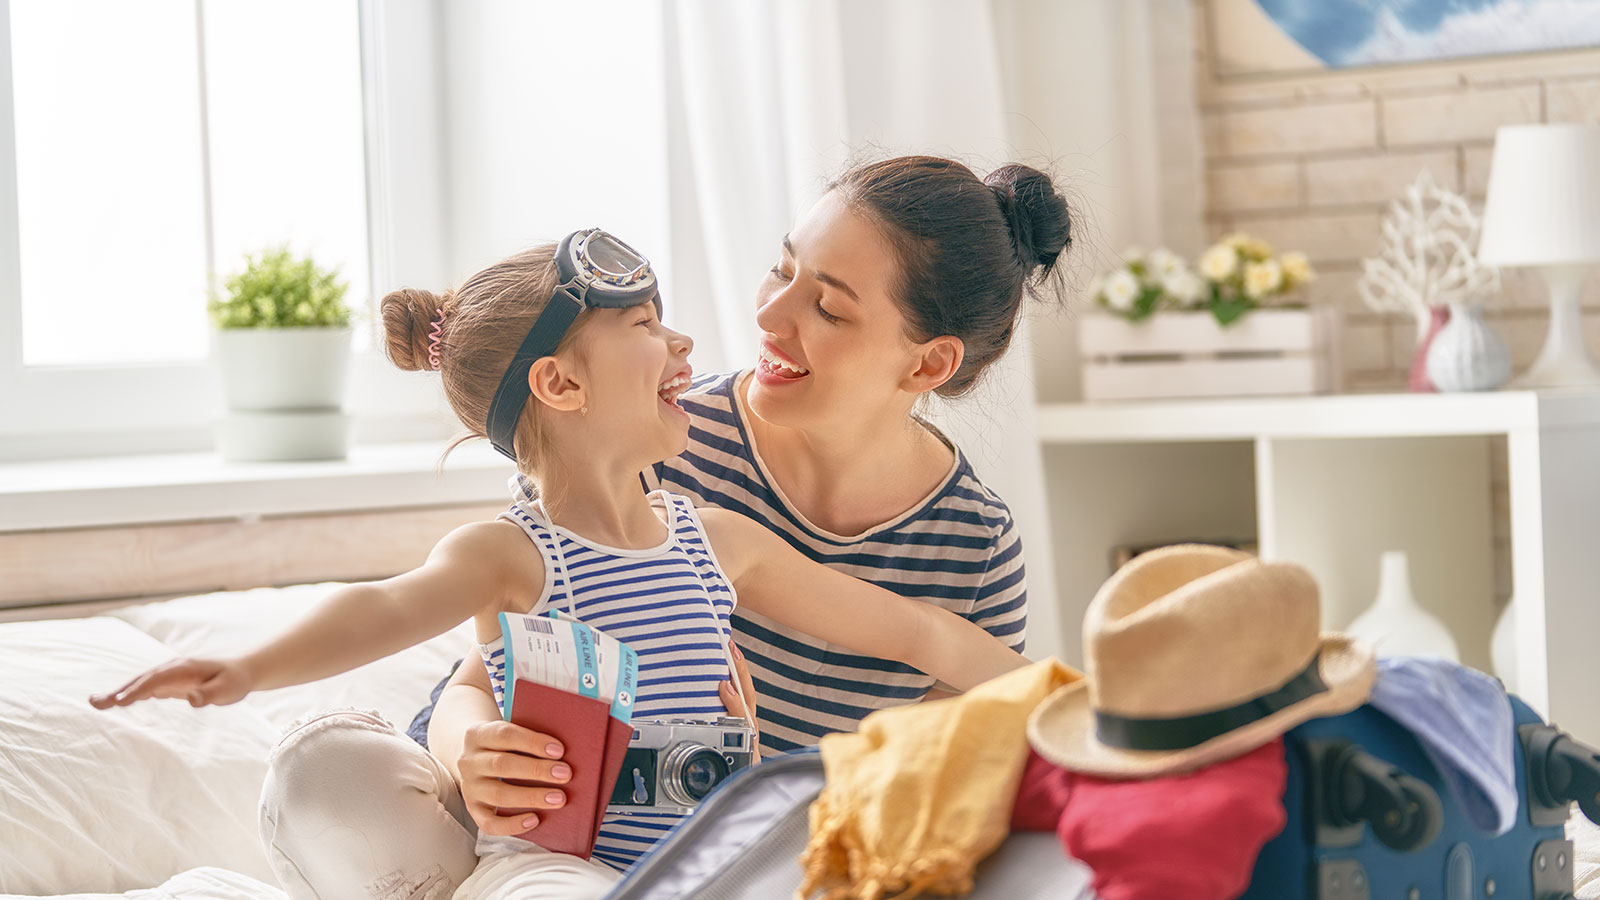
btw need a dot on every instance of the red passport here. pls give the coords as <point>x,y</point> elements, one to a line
<point>595,744</point>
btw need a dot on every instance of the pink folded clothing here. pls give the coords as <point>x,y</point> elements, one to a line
<point>1041,796</point>
<point>1194,836</point>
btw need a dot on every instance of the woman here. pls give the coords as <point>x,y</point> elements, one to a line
<point>906,278</point>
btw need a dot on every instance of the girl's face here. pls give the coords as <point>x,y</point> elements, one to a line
<point>834,347</point>
<point>636,368</point>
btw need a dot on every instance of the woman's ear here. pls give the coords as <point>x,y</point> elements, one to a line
<point>555,384</point>
<point>937,361</point>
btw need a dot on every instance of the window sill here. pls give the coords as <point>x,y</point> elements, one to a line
<point>83,493</point>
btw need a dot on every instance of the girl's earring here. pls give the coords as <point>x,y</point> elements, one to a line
<point>584,411</point>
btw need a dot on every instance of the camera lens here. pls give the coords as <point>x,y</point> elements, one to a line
<point>690,771</point>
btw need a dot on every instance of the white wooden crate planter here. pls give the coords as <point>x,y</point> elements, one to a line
<point>1187,354</point>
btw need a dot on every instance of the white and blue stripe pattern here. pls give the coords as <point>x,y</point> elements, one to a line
<point>670,603</point>
<point>494,659</point>
<point>957,549</point>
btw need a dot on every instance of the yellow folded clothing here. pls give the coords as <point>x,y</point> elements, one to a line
<point>922,793</point>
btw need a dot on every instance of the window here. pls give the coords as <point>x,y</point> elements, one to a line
<point>155,144</point>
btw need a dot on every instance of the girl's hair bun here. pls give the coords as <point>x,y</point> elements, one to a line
<point>408,315</point>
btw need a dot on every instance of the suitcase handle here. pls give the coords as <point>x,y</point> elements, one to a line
<point>1562,771</point>
<point>1404,812</point>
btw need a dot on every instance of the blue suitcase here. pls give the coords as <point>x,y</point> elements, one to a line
<point>1369,817</point>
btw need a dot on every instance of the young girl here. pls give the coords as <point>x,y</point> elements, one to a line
<point>558,355</point>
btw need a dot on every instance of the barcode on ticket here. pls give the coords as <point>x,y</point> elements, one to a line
<point>540,625</point>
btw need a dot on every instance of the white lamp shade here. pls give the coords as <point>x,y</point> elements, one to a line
<point>1543,206</point>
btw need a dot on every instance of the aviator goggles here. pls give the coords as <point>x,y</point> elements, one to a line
<point>593,270</point>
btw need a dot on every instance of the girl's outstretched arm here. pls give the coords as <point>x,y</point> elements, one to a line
<point>468,572</point>
<point>777,581</point>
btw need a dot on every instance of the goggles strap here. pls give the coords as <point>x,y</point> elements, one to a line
<point>512,393</point>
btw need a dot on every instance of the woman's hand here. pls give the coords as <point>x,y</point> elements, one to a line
<point>203,682</point>
<point>741,703</point>
<point>495,751</point>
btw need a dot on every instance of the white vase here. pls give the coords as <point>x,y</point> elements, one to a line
<point>283,368</point>
<point>1503,645</point>
<point>1466,354</point>
<point>1395,624</point>
<point>285,391</point>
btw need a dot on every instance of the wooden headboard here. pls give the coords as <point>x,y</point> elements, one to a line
<point>68,572</point>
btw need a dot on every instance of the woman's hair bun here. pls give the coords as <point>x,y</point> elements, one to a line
<point>408,315</point>
<point>1041,226</point>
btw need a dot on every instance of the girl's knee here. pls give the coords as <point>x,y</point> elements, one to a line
<point>339,757</point>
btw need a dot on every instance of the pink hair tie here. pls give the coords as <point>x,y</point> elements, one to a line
<point>434,335</point>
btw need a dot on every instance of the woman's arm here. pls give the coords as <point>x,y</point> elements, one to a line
<point>775,580</point>
<point>465,573</point>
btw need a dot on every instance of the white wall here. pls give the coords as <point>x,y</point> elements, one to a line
<point>1102,91</point>
<point>520,77</point>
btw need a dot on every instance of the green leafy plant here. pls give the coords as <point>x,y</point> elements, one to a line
<point>280,290</point>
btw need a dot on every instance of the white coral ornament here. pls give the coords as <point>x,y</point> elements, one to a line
<point>1426,259</point>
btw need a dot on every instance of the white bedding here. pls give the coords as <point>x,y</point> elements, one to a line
<point>204,883</point>
<point>103,803</point>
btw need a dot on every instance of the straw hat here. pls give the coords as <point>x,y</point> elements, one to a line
<point>1195,655</point>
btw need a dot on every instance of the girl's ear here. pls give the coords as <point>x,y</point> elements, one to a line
<point>937,361</point>
<point>556,385</point>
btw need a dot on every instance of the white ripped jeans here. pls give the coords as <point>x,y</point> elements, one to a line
<point>353,809</point>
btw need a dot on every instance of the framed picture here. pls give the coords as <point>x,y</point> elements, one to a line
<point>1282,37</point>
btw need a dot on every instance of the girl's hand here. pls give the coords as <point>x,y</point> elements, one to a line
<point>495,751</point>
<point>741,703</point>
<point>202,682</point>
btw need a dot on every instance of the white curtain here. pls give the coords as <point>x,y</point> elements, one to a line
<point>765,101</point>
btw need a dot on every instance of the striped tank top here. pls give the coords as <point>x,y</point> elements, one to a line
<point>957,548</point>
<point>671,603</point>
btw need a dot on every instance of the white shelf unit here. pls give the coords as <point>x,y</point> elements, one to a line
<point>1331,482</point>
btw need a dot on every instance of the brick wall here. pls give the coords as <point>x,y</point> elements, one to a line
<point>1312,162</point>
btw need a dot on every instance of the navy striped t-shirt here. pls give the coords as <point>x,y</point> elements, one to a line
<point>957,548</point>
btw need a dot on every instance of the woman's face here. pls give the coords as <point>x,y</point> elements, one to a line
<point>833,343</point>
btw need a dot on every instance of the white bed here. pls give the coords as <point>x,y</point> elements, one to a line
<point>158,801</point>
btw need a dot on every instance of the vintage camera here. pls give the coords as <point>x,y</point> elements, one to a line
<point>672,765</point>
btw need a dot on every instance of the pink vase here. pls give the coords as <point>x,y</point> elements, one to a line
<point>1419,382</point>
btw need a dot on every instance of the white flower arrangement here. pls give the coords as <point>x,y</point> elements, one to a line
<point>1237,274</point>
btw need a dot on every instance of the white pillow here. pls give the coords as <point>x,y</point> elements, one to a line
<point>108,801</point>
<point>229,622</point>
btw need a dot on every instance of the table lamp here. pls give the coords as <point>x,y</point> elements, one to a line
<point>1543,212</point>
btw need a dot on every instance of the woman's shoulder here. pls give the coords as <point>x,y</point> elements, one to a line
<point>962,490</point>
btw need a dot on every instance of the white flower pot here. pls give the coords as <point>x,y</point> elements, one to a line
<point>283,368</point>
<point>283,435</point>
<point>285,391</point>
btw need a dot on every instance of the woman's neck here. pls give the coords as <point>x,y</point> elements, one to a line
<point>849,480</point>
<point>606,507</point>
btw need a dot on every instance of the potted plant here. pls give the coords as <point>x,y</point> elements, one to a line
<point>283,344</point>
<point>1232,325</point>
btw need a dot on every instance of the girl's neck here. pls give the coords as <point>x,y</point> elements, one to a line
<point>605,507</point>
<point>851,479</point>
